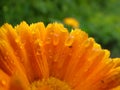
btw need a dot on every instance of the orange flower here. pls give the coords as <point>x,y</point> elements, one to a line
<point>36,57</point>
<point>72,22</point>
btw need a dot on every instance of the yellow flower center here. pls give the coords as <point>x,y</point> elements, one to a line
<point>50,84</point>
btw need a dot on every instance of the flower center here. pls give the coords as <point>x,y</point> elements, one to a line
<point>50,84</point>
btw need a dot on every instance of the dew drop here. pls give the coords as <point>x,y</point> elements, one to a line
<point>5,58</point>
<point>12,61</point>
<point>50,51</point>
<point>21,46</point>
<point>87,43</point>
<point>63,30</point>
<point>17,40</point>
<point>3,82</point>
<point>55,39</point>
<point>39,42</point>
<point>7,53</point>
<point>55,59</point>
<point>33,32</point>
<point>22,60</point>
<point>51,33</point>
<point>48,40</point>
<point>70,54</point>
<point>50,56</point>
<point>38,53</point>
<point>69,41</point>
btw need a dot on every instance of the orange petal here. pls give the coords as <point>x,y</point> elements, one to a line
<point>4,81</point>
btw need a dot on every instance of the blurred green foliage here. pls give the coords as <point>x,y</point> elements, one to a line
<point>99,18</point>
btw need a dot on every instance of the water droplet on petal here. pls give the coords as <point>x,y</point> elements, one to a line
<point>5,58</point>
<point>69,41</point>
<point>17,40</point>
<point>3,82</point>
<point>22,60</point>
<point>50,56</point>
<point>48,40</point>
<point>87,43</point>
<point>39,42</point>
<point>21,47</point>
<point>70,54</point>
<point>12,61</point>
<point>38,53</point>
<point>33,32</point>
<point>49,51</point>
<point>55,39</point>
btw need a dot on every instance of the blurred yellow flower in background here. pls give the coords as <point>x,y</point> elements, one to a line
<point>71,22</point>
<point>35,57</point>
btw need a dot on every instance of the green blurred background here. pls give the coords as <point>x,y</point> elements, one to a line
<point>99,18</point>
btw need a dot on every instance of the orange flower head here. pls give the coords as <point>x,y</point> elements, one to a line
<point>71,22</point>
<point>35,57</point>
